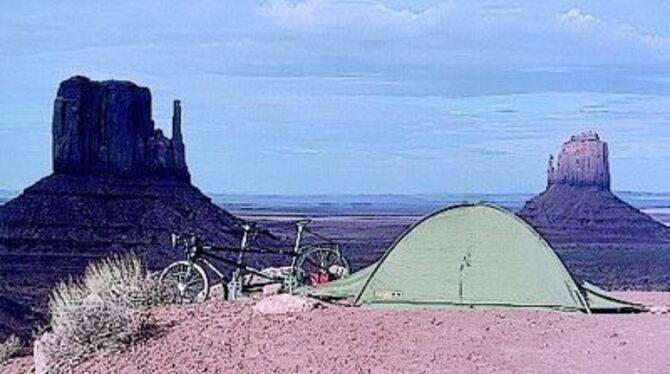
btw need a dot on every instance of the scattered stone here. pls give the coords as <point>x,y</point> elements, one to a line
<point>44,358</point>
<point>276,272</point>
<point>284,304</point>
<point>272,289</point>
<point>659,309</point>
<point>217,291</point>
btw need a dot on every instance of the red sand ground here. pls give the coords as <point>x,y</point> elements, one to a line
<point>221,337</point>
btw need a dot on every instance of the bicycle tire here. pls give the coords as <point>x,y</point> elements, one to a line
<point>184,282</point>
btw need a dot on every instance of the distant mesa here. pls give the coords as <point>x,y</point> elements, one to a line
<point>583,161</point>
<point>118,184</point>
<point>577,210</point>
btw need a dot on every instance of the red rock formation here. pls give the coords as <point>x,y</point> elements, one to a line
<point>577,211</point>
<point>106,128</point>
<point>582,161</point>
<point>118,184</point>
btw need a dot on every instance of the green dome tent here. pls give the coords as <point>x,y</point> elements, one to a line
<point>471,255</point>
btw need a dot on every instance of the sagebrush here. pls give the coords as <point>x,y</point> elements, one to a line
<point>9,348</point>
<point>107,309</point>
<point>122,279</point>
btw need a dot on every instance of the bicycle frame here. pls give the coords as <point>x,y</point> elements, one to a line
<point>312,262</point>
<point>206,253</point>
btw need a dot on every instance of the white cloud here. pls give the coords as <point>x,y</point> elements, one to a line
<point>475,23</point>
<point>438,24</point>
<point>324,14</point>
<point>576,15</point>
<point>612,31</point>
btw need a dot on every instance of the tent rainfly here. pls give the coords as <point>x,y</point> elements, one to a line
<point>475,256</point>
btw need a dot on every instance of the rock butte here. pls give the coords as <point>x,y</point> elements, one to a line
<point>105,128</point>
<point>118,184</point>
<point>577,210</point>
<point>583,161</point>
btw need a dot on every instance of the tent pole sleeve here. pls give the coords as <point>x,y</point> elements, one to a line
<point>583,301</point>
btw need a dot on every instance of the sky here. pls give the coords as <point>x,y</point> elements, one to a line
<point>360,97</point>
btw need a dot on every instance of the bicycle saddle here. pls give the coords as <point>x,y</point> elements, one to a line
<point>249,226</point>
<point>303,222</point>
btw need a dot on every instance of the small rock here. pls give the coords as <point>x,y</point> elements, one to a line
<point>659,310</point>
<point>284,304</point>
<point>44,357</point>
<point>271,289</point>
<point>217,292</point>
<point>278,272</point>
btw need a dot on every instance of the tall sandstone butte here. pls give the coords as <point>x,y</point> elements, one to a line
<point>118,184</point>
<point>106,128</point>
<point>606,239</point>
<point>583,161</point>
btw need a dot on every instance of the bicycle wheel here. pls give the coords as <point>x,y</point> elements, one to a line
<point>318,266</point>
<point>184,282</point>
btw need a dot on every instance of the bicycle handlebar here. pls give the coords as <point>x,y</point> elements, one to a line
<point>249,226</point>
<point>183,240</point>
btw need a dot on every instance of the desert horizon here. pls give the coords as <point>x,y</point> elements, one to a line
<point>307,186</point>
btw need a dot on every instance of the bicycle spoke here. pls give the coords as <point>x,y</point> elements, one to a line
<point>185,283</point>
<point>322,257</point>
<point>329,263</point>
<point>181,274</point>
<point>177,276</point>
<point>308,260</point>
<point>314,266</point>
<point>192,282</point>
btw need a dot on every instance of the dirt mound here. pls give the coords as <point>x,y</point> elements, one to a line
<point>230,337</point>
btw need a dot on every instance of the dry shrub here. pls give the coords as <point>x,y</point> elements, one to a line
<point>122,280</point>
<point>105,310</point>
<point>9,348</point>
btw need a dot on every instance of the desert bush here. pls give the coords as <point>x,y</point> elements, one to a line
<point>122,280</point>
<point>107,309</point>
<point>9,348</point>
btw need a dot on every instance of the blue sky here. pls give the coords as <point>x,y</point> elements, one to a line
<point>319,96</point>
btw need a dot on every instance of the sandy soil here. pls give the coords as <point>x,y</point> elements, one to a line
<point>224,337</point>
